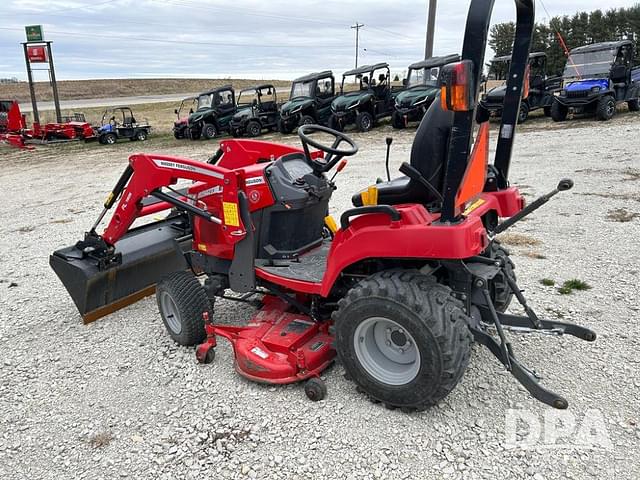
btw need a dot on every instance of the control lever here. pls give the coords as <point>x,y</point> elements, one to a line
<point>389,141</point>
<point>339,168</point>
<point>414,174</point>
<point>563,185</point>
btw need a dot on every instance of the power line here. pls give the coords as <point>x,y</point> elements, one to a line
<point>186,42</point>
<point>357,28</point>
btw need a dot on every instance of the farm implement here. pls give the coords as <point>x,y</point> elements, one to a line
<point>398,289</point>
<point>14,131</point>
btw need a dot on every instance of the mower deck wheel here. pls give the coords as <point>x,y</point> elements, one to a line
<point>403,338</point>
<point>181,301</point>
<point>315,389</point>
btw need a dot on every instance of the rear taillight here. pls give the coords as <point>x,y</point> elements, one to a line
<point>458,86</point>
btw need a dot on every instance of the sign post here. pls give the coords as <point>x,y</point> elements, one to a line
<point>38,50</point>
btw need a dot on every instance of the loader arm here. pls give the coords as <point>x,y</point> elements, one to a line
<point>148,174</point>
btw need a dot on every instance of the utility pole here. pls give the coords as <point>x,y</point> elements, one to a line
<point>357,28</point>
<point>431,26</point>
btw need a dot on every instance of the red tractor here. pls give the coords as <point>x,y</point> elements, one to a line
<point>399,290</point>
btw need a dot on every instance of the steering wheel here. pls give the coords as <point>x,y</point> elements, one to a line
<point>334,154</point>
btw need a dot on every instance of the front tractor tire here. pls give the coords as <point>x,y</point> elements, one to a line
<point>364,121</point>
<point>606,108</point>
<point>403,338</point>
<point>559,112</point>
<point>181,301</point>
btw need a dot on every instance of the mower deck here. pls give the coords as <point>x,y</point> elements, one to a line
<point>276,346</point>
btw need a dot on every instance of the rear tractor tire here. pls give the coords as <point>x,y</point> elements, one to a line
<point>364,121</point>
<point>501,292</point>
<point>403,338</point>
<point>606,108</point>
<point>182,301</point>
<point>559,112</point>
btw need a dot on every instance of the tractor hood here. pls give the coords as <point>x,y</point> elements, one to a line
<point>350,100</point>
<point>582,85</point>
<point>295,105</point>
<point>415,95</point>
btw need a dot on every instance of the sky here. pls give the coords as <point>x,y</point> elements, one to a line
<point>275,39</point>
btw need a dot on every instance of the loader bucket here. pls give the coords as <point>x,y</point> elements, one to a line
<point>148,253</point>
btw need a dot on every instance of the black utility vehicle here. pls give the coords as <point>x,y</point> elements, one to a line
<point>309,101</point>
<point>541,87</point>
<point>597,78</point>
<point>118,123</point>
<point>371,101</point>
<point>257,110</point>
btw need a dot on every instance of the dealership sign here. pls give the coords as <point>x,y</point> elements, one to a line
<point>34,33</point>
<point>37,54</point>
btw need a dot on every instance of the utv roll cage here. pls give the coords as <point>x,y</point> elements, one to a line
<point>366,82</point>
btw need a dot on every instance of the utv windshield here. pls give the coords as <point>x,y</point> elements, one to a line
<point>423,76</point>
<point>589,64</point>
<point>205,101</point>
<point>302,89</point>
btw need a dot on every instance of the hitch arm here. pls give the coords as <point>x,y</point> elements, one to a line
<point>564,184</point>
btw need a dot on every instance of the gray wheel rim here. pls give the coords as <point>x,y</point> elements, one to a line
<point>611,107</point>
<point>386,351</point>
<point>171,313</point>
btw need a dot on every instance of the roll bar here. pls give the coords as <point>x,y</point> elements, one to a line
<point>475,41</point>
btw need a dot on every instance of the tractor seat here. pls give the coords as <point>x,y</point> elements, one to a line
<point>428,156</point>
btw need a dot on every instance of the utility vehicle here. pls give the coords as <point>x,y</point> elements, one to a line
<point>118,123</point>
<point>597,78</point>
<point>309,101</point>
<point>408,278</point>
<point>541,87</point>
<point>421,89</point>
<point>214,112</point>
<point>181,125</point>
<point>257,111</point>
<point>370,102</point>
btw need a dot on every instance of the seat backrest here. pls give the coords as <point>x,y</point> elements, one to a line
<point>431,143</point>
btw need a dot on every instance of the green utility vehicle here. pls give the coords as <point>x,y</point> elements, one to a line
<point>421,88</point>
<point>309,101</point>
<point>371,101</point>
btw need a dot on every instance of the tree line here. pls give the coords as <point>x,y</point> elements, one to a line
<point>580,29</point>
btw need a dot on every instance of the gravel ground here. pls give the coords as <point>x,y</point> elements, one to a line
<point>118,399</point>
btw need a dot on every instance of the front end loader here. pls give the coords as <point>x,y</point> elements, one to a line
<point>397,290</point>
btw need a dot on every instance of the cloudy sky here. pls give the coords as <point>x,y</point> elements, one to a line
<point>243,38</point>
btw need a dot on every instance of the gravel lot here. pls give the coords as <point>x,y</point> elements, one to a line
<point>118,399</point>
